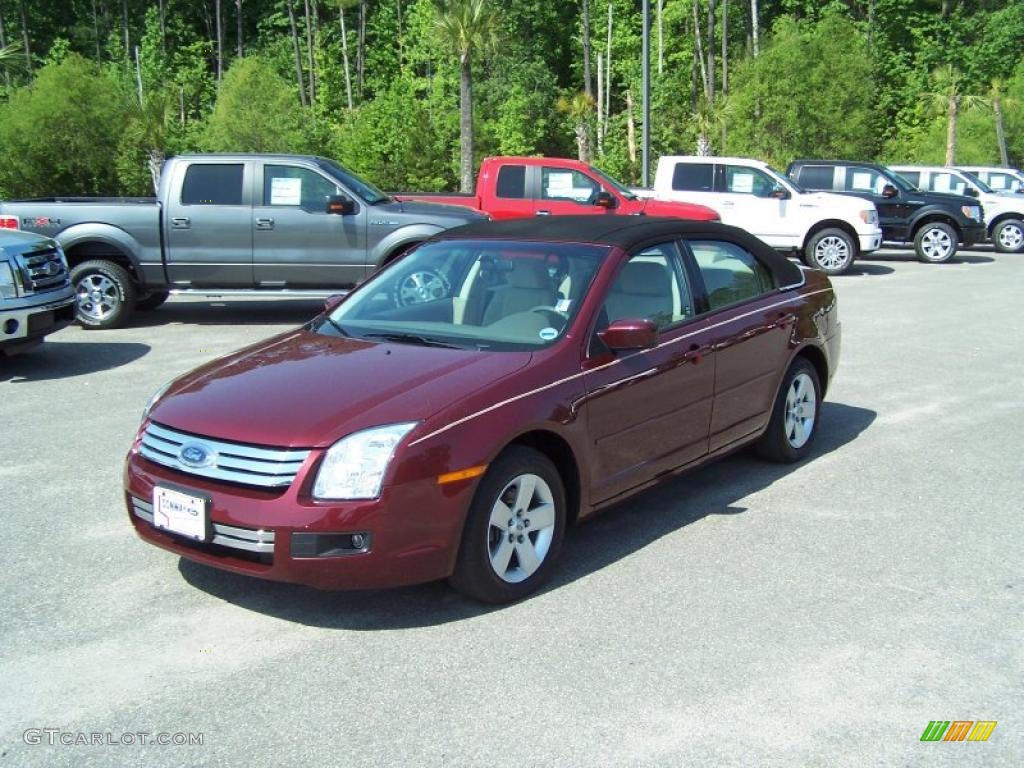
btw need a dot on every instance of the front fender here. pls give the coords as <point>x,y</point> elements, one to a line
<point>401,238</point>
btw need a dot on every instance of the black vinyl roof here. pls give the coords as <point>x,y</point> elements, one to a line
<point>625,232</point>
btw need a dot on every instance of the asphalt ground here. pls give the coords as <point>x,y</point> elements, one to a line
<point>747,615</point>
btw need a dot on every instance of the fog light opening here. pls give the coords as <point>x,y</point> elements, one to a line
<point>11,326</point>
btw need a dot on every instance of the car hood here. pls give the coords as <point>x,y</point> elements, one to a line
<point>678,210</point>
<point>434,210</point>
<point>304,389</point>
<point>944,198</point>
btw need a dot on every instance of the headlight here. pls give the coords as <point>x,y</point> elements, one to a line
<point>869,216</point>
<point>154,399</point>
<point>972,211</point>
<point>8,287</point>
<point>354,466</point>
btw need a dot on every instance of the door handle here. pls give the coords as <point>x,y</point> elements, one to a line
<point>543,213</point>
<point>695,353</point>
<point>730,203</point>
<point>264,223</point>
<point>181,222</point>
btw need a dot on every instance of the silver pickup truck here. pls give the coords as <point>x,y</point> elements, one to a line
<point>229,225</point>
<point>36,298</point>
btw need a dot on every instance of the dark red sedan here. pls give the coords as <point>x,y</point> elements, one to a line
<point>451,416</point>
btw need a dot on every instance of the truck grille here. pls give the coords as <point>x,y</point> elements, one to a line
<point>220,460</point>
<point>43,270</point>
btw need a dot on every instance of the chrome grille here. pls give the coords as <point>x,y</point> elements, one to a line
<point>43,270</point>
<point>231,462</point>
<point>249,539</point>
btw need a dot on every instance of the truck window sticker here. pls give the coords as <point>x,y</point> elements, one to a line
<point>742,182</point>
<point>862,181</point>
<point>285,191</point>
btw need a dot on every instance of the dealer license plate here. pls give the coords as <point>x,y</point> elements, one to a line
<point>181,513</point>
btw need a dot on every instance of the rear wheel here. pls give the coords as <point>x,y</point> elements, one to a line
<point>935,242</point>
<point>831,250</point>
<point>1008,236</point>
<point>514,529</point>
<point>794,422</point>
<point>105,294</point>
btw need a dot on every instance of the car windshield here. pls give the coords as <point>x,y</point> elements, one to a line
<point>609,181</point>
<point>976,180</point>
<point>472,294</point>
<point>364,189</point>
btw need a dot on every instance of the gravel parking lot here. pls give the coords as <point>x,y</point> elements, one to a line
<point>749,614</point>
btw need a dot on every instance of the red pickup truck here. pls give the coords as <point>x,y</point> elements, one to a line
<point>515,187</point>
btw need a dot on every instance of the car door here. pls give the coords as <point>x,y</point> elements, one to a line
<point>648,411</point>
<point>296,243</point>
<point>749,331</point>
<point>567,192</point>
<point>208,225</point>
<point>512,191</point>
<point>893,212</point>
<point>744,199</point>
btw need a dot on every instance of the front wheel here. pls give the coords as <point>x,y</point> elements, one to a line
<point>831,250</point>
<point>794,421</point>
<point>105,294</point>
<point>1008,236</point>
<point>514,529</point>
<point>935,242</point>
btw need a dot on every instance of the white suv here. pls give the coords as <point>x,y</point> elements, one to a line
<point>1002,180</point>
<point>1004,213</point>
<point>830,230</point>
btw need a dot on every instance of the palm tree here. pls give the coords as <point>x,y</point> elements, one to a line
<point>467,27</point>
<point>579,109</point>
<point>997,99</point>
<point>948,96</point>
<point>710,118</point>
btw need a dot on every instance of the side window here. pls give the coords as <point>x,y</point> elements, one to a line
<point>816,177</point>
<point>914,177</point>
<point>291,186</point>
<point>650,286</point>
<point>942,181</point>
<point>512,182</point>
<point>731,274</point>
<point>560,184</point>
<point>212,184</point>
<point>694,177</point>
<point>1002,182</point>
<point>865,180</point>
<point>748,181</point>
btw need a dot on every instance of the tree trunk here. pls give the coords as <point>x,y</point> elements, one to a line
<point>465,123</point>
<point>156,163</point>
<point>661,38</point>
<point>344,54</point>
<point>401,47</point>
<point>138,76</point>
<point>361,46</point>
<point>582,142</point>
<point>954,108</point>
<point>608,75</point>
<point>703,145</point>
<point>127,36</point>
<point>630,133</point>
<point>997,109</point>
<point>871,22</point>
<point>220,42</point>
<point>753,27</point>
<point>725,47</point>
<point>711,50</point>
<point>699,48</point>
<point>298,55</point>
<point>309,55</point>
<point>587,86</point>
<point>162,12</point>
<point>3,44</point>
<point>238,18</point>
<point>600,105</point>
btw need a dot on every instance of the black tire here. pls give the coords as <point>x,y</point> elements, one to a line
<point>831,250</point>
<point>935,242</point>
<point>1008,236</point>
<point>777,443</point>
<point>151,301</point>
<point>106,294</point>
<point>474,574</point>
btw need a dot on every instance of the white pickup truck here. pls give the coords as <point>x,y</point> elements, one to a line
<point>829,230</point>
<point>1004,211</point>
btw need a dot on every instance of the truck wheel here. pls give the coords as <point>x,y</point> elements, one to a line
<point>151,301</point>
<point>935,242</point>
<point>106,294</point>
<point>831,250</point>
<point>1008,236</point>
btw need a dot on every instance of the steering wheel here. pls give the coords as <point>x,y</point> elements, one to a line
<point>421,286</point>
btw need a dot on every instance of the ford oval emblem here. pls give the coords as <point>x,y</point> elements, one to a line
<point>195,455</point>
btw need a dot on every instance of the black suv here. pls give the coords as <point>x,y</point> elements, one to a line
<point>933,221</point>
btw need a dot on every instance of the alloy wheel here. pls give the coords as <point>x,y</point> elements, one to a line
<point>801,409</point>
<point>521,528</point>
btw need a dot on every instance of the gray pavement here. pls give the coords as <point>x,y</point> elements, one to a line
<point>748,615</point>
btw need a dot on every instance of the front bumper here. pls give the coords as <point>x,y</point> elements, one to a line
<point>26,325</point>
<point>413,530</point>
<point>870,241</point>
<point>970,234</point>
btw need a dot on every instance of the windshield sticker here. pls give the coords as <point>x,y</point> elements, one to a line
<point>548,334</point>
<point>563,305</point>
<point>285,191</point>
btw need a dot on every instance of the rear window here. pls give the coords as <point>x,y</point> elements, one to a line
<point>219,184</point>
<point>914,177</point>
<point>512,181</point>
<point>694,177</point>
<point>816,177</point>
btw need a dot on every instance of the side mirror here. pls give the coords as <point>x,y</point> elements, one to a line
<point>889,191</point>
<point>331,302</point>
<point>971,192</point>
<point>779,192</point>
<point>343,205</point>
<point>604,200</point>
<point>629,334</point>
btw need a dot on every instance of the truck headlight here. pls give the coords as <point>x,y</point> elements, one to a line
<point>8,286</point>
<point>354,466</point>
<point>972,211</point>
<point>869,216</point>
